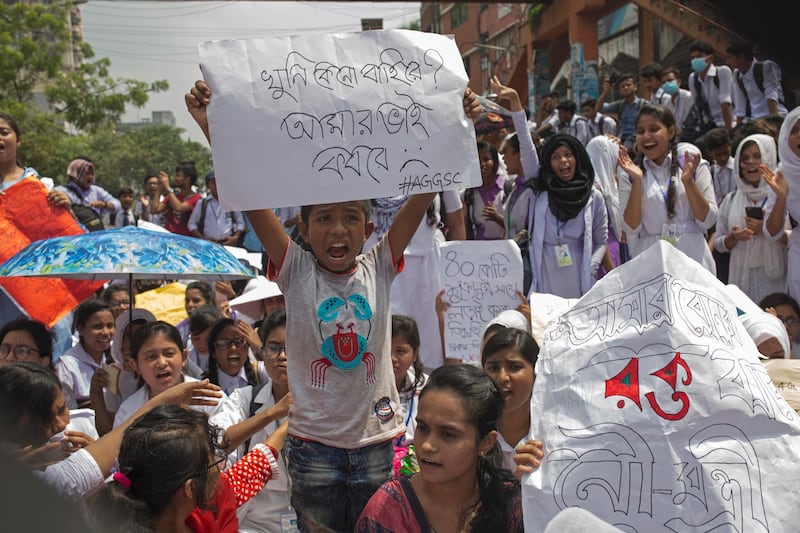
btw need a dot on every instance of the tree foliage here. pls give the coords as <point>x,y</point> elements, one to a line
<point>34,43</point>
<point>47,92</point>
<point>33,40</point>
<point>88,97</point>
<point>122,158</point>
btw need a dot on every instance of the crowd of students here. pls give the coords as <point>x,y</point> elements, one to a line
<point>333,406</point>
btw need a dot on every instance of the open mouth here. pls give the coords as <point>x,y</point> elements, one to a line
<point>337,252</point>
<point>428,464</point>
<point>165,375</point>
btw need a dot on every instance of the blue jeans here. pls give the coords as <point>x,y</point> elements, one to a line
<point>331,486</point>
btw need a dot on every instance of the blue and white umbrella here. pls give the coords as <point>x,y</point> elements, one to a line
<point>126,253</point>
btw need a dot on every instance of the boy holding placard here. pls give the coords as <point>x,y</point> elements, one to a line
<point>343,421</point>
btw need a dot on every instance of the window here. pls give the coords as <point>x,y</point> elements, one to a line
<point>458,15</point>
<point>503,10</point>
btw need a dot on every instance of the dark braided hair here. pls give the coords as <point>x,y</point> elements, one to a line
<point>665,116</point>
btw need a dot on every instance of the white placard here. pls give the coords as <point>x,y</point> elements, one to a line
<point>655,411</point>
<point>307,119</point>
<point>480,280</point>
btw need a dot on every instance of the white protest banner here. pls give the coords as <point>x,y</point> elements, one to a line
<point>545,309</point>
<point>655,411</point>
<point>480,280</point>
<point>305,119</point>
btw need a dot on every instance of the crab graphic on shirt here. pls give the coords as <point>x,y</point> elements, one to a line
<point>341,323</point>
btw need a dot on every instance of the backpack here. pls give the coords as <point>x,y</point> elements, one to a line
<point>789,101</point>
<point>84,214</point>
<point>88,217</point>
<point>699,121</point>
<point>202,221</point>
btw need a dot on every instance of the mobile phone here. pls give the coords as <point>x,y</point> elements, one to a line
<point>754,211</point>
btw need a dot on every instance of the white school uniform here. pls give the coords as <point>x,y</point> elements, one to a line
<point>263,512</point>
<point>141,396</point>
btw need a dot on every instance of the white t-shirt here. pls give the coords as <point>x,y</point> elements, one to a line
<point>338,331</point>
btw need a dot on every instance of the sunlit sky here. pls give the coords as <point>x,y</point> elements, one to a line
<point>154,40</point>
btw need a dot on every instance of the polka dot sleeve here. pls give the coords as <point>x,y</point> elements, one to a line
<point>249,475</point>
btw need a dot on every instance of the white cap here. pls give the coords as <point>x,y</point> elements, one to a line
<point>258,288</point>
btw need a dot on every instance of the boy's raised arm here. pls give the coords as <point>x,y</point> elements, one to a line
<point>270,232</point>
<point>265,223</point>
<point>407,221</point>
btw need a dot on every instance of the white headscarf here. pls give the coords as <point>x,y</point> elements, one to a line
<point>789,160</point>
<point>604,153</point>
<point>762,326</point>
<point>121,323</point>
<point>758,251</point>
<point>759,324</point>
<point>510,318</point>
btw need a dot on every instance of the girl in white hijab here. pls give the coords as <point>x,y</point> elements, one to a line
<point>757,265</point>
<point>604,154</point>
<point>784,195</point>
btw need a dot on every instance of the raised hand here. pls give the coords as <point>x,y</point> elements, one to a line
<point>472,108</point>
<point>691,161</point>
<point>528,457</point>
<point>37,458</point>
<point>197,100</point>
<point>59,199</point>
<point>441,305</point>
<point>505,93</point>
<point>775,181</point>
<point>250,334</point>
<point>524,307</point>
<point>627,164</point>
<point>74,441</point>
<point>189,393</point>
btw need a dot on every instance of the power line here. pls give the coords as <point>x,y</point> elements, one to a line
<point>162,16</point>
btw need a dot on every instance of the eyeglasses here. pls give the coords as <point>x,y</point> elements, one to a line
<point>224,344</point>
<point>218,462</point>
<point>790,321</point>
<point>119,303</point>
<point>21,353</point>
<point>273,349</point>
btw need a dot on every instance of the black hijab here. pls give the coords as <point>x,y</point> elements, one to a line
<point>566,198</point>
